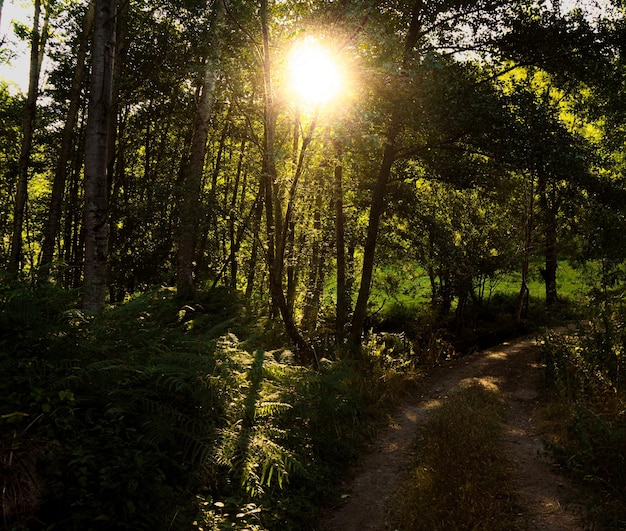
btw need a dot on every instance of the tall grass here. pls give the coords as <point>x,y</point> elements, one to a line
<point>586,369</point>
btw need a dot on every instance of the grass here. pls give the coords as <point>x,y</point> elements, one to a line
<point>408,284</point>
<point>458,480</point>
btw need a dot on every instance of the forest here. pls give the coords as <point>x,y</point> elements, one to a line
<point>233,232</point>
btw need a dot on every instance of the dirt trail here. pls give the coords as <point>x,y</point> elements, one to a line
<point>545,498</point>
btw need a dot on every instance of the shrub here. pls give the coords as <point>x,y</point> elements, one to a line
<point>587,370</point>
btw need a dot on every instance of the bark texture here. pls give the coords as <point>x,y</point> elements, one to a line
<point>96,156</point>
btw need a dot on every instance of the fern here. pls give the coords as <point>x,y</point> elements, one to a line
<point>271,409</point>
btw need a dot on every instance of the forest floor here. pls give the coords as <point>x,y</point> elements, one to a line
<point>546,499</point>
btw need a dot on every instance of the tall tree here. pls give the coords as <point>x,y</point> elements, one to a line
<point>277,228</point>
<point>194,167</point>
<point>38,38</point>
<point>97,157</point>
<point>67,136</point>
<point>384,173</point>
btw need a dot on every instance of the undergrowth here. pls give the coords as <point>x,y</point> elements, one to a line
<point>159,415</point>
<point>586,371</point>
<point>458,480</point>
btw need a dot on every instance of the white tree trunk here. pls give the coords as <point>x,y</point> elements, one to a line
<point>96,157</point>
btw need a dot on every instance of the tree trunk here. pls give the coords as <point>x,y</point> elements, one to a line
<point>194,168</point>
<point>97,157</point>
<point>73,234</point>
<point>378,198</point>
<point>234,244</point>
<point>276,238</point>
<point>254,253</point>
<point>67,138</point>
<point>551,259</point>
<point>548,215</point>
<point>524,294</point>
<point>376,211</point>
<point>341,313</point>
<point>313,291</point>
<point>37,45</point>
<point>190,209</point>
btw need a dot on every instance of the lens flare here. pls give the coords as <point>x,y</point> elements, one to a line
<point>315,76</point>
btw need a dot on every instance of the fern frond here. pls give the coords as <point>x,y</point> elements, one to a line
<point>271,409</point>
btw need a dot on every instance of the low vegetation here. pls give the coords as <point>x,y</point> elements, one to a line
<point>157,415</point>
<point>586,414</point>
<point>460,468</point>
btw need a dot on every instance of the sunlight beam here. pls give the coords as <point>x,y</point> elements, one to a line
<point>314,74</point>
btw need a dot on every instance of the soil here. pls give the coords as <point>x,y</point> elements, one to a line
<point>546,499</point>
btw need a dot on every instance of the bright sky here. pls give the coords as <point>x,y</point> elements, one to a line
<point>17,72</point>
<point>22,10</point>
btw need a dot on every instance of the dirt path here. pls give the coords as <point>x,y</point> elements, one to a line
<point>544,496</point>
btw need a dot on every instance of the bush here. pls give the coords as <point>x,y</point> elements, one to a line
<point>155,415</point>
<point>586,368</point>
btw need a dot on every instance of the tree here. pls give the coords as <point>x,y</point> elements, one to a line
<point>38,38</point>
<point>194,167</point>
<point>430,32</point>
<point>277,228</point>
<point>97,156</point>
<point>60,173</point>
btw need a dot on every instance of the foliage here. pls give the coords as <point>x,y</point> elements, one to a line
<point>589,361</point>
<point>462,434</point>
<point>154,415</point>
<point>586,368</point>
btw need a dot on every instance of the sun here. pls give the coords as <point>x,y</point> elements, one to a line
<point>314,74</point>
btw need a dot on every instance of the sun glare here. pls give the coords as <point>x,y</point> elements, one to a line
<point>315,76</point>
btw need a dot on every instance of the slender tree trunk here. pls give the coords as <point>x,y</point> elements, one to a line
<point>37,45</point>
<point>316,266</point>
<point>254,253</point>
<point>97,156</point>
<point>341,318</point>
<point>378,198</point>
<point>524,295</point>
<point>67,139</point>
<point>194,169</point>
<point>376,211</point>
<point>293,267</point>
<point>190,209</point>
<point>115,153</point>
<point>73,234</point>
<point>276,238</point>
<point>234,244</point>
<point>551,254</point>
<point>549,222</point>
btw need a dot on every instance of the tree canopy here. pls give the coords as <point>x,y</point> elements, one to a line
<point>481,135</point>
